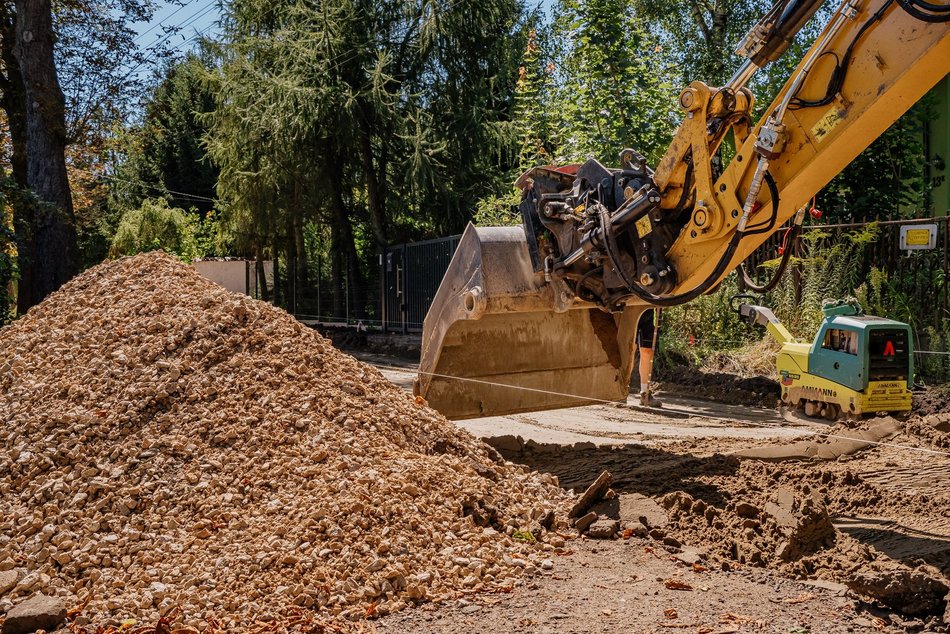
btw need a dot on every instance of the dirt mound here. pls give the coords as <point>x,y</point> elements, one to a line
<point>933,400</point>
<point>780,517</point>
<point>872,520</point>
<point>718,386</point>
<point>934,428</point>
<point>169,443</point>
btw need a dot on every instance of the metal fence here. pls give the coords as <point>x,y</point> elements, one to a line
<point>410,275</point>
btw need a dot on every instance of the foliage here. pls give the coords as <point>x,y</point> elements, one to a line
<point>498,210</point>
<point>163,154</point>
<point>8,261</point>
<point>699,329</point>
<point>155,225</point>
<point>887,180</point>
<point>383,121</point>
<point>612,90</point>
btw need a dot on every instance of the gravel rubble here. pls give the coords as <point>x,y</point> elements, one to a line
<point>172,448</point>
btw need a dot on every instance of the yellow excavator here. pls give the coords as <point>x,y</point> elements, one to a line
<point>544,315</point>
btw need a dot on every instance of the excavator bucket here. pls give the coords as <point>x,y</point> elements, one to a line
<point>493,343</point>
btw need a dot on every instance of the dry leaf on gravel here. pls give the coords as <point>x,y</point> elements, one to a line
<point>676,584</point>
<point>670,613</point>
<point>802,598</point>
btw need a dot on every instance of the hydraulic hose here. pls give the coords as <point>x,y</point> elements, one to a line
<point>724,260</point>
<point>747,282</point>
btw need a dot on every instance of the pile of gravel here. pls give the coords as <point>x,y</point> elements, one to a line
<point>169,444</point>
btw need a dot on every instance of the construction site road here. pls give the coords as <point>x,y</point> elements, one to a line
<point>606,424</point>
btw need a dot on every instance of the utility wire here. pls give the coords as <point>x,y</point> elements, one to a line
<point>148,186</point>
<point>155,48</point>
<point>162,22</point>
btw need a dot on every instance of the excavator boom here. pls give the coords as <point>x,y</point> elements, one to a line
<point>544,315</point>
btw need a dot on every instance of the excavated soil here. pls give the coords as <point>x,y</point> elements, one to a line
<point>686,380</point>
<point>171,448</point>
<point>877,521</point>
<point>934,400</point>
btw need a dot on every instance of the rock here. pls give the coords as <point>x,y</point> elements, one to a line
<point>804,524</point>
<point>940,422</point>
<point>689,556</point>
<point>547,564</point>
<point>603,529</point>
<point>640,509</point>
<point>669,540</point>
<point>507,445</point>
<point>8,581</point>
<point>744,509</point>
<point>39,612</point>
<point>583,523</point>
<point>594,493</point>
<point>914,592</point>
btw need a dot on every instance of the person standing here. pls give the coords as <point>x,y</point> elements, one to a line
<point>648,330</point>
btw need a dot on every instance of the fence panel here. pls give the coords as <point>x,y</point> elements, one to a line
<point>411,274</point>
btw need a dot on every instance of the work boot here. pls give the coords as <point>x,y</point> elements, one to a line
<point>648,400</point>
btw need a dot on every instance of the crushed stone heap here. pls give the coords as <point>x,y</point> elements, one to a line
<point>168,443</point>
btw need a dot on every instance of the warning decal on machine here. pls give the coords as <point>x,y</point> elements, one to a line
<point>827,123</point>
<point>644,227</point>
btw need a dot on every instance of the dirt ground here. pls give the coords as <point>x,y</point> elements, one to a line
<point>619,585</point>
<point>890,510</point>
<point>868,548</point>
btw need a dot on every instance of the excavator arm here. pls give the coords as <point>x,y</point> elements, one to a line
<point>544,315</point>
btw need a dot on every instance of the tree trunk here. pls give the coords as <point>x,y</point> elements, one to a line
<point>337,289</point>
<point>261,274</point>
<point>374,193</point>
<point>291,267</point>
<point>51,249</point>
<point>275,299</point>
<point>13,94</point>
<point>300,247</point>
<point>344,249</point>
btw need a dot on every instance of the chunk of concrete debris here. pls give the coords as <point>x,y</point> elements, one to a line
<point>803,522</point>
<point>594,493</point>
<point>603,529</point>
<point>583,523</point>
<point>8,580</point>
<point>640,509</point>
<point>39,612</point>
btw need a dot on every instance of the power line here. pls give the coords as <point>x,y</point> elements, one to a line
<point>148,186</point>
<point>161,22</point>
<point>155,48</point>
<point>173,48</point>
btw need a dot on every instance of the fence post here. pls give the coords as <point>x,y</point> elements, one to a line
<point>382,288</point>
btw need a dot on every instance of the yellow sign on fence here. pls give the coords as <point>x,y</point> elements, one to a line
<point>915,237</point>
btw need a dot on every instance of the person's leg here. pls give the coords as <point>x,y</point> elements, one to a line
<point>645,332</point>
<point>646,368</point>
